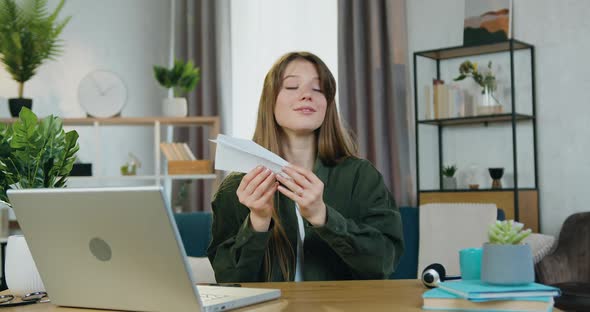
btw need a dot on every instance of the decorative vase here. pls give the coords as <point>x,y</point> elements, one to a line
<point>489,103</point>
<point>15,105</point>
<point>175,107</point>
<point>22,276</point>
<point>496,174</point>
<point>449,183</point>
<point>507,264</point>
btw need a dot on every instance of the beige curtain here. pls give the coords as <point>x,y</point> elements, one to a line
<point>374,89</point>
<point>196,29</point>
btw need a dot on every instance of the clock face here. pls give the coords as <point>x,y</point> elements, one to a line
<point>102,94</point>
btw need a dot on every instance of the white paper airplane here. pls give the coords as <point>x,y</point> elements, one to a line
<point>241,155</point>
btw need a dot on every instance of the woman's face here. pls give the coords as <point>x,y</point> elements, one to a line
<point>301,105</point>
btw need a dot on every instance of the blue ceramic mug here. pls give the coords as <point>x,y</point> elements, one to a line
<point>470,263</point>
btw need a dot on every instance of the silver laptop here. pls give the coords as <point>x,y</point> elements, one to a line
<point>116,248</point>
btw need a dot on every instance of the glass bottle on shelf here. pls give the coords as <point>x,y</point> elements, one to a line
<point>489,103</point>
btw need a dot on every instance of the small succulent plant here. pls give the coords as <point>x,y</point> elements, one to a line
<point>449,171</point>
<point>507,232</point>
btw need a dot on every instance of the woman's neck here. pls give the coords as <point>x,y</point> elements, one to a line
<point>300,150</point>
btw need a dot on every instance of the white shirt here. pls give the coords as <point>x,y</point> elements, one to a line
<point>300,240</point>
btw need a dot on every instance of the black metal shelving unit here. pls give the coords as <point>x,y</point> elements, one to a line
<point>510,118</point>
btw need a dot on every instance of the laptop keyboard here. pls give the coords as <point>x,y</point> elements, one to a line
<point>208,297</point>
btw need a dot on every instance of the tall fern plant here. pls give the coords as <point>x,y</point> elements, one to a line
<point>29,35</point>
<point>35,153</point>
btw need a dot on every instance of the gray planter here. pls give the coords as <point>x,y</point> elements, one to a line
<point>449,183</point>
<point>507,264</point>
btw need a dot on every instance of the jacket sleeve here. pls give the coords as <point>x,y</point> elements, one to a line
<point>372,244</point>
<point>236,251</point>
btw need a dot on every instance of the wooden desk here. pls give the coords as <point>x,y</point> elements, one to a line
<point>381,295</point>
<point>385,295</point>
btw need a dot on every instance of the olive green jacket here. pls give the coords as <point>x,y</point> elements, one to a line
<point>362,237</point>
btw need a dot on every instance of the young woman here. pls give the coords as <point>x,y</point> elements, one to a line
<point>327,215</point>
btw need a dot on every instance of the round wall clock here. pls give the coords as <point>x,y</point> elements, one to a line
<point>102,94</point>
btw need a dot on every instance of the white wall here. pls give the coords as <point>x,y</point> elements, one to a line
<point>130,36</point>
<point>262,31</point>
<point>559,30</point>
<point>126,37</point>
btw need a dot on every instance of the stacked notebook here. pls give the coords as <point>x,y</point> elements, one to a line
<point>480,296</point>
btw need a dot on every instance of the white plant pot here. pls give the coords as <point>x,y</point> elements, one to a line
<point>507,264</point>
<point>175,107</point>
<point>449,183</point>
<point>22,276</point>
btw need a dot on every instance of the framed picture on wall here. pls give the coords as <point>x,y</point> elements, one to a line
<point>487,21</point>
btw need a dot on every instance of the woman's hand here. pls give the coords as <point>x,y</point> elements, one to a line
<point>306,189</point>
<point>256,192</point>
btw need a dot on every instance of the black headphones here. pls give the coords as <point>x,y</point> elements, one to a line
<point>434,274</point>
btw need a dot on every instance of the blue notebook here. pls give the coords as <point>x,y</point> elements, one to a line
<point>440,300</point>
<point>474,290</point>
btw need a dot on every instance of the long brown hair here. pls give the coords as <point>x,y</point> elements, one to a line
<point>333,142</point>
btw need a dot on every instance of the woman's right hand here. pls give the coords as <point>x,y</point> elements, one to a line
<point>256,192</point>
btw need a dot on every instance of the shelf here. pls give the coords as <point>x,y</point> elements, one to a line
<point>476,119</point>
<point>463,51</point>
<point>154,124</point>
<point>508,189</point>
<point>521,201</point>
<point>148,177</point>
<point>134,121</point>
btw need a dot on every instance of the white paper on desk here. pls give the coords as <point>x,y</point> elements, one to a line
<point>241,155</point>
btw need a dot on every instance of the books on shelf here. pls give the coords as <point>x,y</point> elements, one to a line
<point>447,101</point>
<point>438,299</point>
<point>177,151</point>
<point>477,290</point>
<point>182,161</point>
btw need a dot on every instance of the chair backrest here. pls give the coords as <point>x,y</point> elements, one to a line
<point>195,231</point>
<point>570,262</point>
<point>408,263</point>
<point>446,228</point>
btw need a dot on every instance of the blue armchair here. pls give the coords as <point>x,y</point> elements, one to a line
<point>195,231</point>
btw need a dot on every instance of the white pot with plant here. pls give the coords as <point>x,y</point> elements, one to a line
<point>449,179</point>
<point>182,78</point>
<point>28,37</point>
<point>506,259</point>
<point>33,154</point>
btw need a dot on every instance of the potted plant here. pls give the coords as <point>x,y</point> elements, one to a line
<point>182,78</point>
<point>28,37</point>
<point>35,153</point>
<point>506,259</point>
<point>449,180</point>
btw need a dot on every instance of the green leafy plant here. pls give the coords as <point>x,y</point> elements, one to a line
<point>486,79</point>
<point>449,171</point>
<point>507,232</point>
<point>182,77</point>
<point>29,35</point>
<point>35,153</point>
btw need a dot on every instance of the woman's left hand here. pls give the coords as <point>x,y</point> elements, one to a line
<point>306,189</point>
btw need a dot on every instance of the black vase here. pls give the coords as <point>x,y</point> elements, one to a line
<point>15,105</point>
<point>496,174</point>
